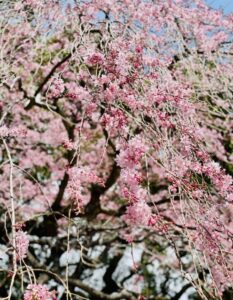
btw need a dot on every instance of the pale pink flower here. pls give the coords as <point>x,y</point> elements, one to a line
<point>12,132</point>
<point>76,92</point>
<point>138,214</point>
<point>38,292</point>
<point>68,144</point>
<point>57,88</point>
<point>22,244</point>
<point>131,154</point>
<point>95,59</point>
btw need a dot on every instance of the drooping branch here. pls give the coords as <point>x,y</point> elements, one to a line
<point>78,283</point>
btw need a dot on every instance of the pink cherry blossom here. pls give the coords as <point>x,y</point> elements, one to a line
<point>22,243</point>
<point>38,292</point>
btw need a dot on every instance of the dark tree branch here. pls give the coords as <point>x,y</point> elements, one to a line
<point>110,285</point>
<point>78,283</point>
<point>50,74</point>
<point>93,208</point>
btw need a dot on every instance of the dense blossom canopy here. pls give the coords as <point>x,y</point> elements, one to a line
<point>116,128</point>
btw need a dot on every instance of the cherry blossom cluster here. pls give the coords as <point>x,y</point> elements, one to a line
<point>22,243</point>
<point>79,179</point>
<point>12,132</point>
<point>38,292</point>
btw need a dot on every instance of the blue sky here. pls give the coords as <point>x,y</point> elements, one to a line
<point>226,5</point>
